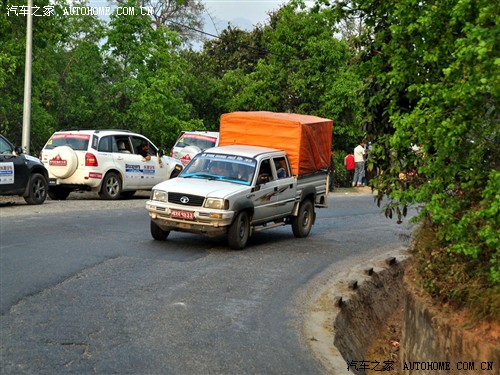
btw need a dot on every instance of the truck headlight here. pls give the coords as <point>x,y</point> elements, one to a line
<point>159,195</point>
<point>215,203</point>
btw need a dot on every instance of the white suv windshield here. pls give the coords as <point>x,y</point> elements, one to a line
<point>231,168</point>
<point>78,142</point>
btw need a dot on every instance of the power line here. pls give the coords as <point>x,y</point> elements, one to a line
<point>258,49</point>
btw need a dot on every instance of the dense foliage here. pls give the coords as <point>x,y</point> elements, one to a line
<point>420,79</point>
<point>431,73</point>
<point>125,73</point>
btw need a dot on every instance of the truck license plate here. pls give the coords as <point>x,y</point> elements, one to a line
<point>178,214</point>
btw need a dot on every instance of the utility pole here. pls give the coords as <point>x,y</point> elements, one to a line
<point>27,82</point>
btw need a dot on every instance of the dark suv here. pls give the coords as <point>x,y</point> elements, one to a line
<point>22,174</point>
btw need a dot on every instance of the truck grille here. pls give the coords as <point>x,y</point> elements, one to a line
<point>179,198</point>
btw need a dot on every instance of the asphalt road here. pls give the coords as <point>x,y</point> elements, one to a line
<point>85,290</point>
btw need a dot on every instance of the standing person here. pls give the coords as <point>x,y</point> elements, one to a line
<point>359,160</point>
<point>350,165</point>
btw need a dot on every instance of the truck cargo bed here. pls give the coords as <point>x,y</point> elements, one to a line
<point>306,139</point>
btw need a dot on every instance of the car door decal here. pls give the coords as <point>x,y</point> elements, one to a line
<point>7,173</point>
<point>267,197</point>
<point>133,171</point>
<point>149,171</point>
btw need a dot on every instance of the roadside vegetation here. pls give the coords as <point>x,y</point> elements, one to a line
<point>420,80</point>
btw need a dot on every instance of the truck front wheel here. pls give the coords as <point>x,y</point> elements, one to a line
<point>239,231</point>
<point>158,233</point>
<point>302,223</point>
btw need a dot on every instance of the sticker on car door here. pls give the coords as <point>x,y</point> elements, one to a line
<point>7,173</point>
<point>138,171</point>
<point>149,171</point>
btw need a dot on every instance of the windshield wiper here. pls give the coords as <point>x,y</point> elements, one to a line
<point>196,175</point>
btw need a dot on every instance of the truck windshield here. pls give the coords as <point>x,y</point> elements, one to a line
<point>230,168</point>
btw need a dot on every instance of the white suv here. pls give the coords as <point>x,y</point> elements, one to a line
<point>191,143</point>
<point>106,161</point>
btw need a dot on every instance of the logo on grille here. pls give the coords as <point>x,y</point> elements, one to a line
<point>184,200</point>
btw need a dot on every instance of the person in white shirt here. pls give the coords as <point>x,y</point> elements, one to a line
<point>359,160</point>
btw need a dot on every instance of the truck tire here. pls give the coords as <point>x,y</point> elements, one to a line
<point>302,223</point>
<point>111,188</point>
<point>37,189</point>
<point>157,233</point>
<point>239,231</point>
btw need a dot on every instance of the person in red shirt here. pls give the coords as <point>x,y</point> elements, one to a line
<point>350,165</point>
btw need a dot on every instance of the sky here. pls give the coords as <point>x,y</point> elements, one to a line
<point>242,13</point>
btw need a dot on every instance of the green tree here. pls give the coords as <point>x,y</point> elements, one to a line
<point>432,80</point>
<point>148,78</point>
<point>185,17</point>
<point>202,89</point>
<point>47,34</point>
<point>220,69</point>
<point>307,70</point>
<point>234,49</point>
<point>81,80</point>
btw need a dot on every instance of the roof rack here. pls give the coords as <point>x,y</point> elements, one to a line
<point>95,130</point>
<point>114,130</point>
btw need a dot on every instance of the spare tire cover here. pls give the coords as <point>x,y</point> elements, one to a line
<point>63,161</point>
<point>187,153</point>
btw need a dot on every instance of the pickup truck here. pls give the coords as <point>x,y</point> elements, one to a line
<point>237,190</point>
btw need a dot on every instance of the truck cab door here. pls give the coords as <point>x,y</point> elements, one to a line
<point>286,192</point>
<point>266,188</point>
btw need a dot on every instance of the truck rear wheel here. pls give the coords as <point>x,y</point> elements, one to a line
<point>157,233</point>
<point>302,223</point>
<point>239,231</point>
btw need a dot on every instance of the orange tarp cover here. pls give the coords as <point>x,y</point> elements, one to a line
<point>306,139</point>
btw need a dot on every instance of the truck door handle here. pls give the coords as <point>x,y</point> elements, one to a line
<point>276,188</point>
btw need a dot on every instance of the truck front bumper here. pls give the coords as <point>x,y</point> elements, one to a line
<point>201,221</point>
